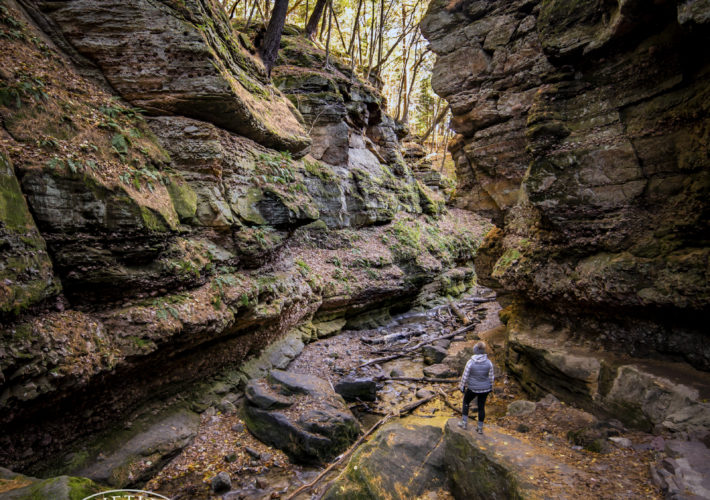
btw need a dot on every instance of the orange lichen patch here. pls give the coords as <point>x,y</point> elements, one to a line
<point>14,483</point>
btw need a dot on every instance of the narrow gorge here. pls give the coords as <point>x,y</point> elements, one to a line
<point>216,279</point>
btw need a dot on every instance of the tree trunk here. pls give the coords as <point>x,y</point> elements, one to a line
<point>371,46</point>
<point>337,26</point>
<point>438,118</point>
<point>251,13</point>
<point>234,9</point>
<point>356,26</point>
<point>330,23</point>
<point>408,95</point>
<point>313,21</point>
<point>382,35</point>
<point>272,39</point>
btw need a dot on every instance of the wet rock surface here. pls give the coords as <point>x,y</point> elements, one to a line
<point>352,388</point>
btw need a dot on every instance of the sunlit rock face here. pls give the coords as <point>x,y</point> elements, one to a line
<point>584,132</point>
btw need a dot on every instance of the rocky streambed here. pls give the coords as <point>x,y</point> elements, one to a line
<point>368,410</point>
<point>287,426</point>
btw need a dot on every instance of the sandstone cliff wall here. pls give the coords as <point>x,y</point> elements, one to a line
<point>583,132</point>
<point>161,216</point>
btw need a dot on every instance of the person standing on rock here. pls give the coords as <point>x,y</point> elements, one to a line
<point>476,382</point>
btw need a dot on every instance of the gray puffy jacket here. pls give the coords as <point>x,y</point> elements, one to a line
<point>478,375</point>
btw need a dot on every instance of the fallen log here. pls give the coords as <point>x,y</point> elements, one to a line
<point>458,312</point>
<point>442,337</point>
<point>396,336</point>
<point>481,300</point>
<point>420,379</point>
<point>410,350</point>
<point>415,404</point>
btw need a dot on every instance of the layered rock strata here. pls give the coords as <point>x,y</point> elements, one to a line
<point>159,222</point>
<point>583,131</point>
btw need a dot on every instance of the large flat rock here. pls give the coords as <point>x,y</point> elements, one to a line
<point>497,465</point>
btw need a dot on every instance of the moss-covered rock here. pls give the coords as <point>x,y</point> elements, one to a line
<point>18,487</point>
<point>26,271</point>
<point>403,460</point>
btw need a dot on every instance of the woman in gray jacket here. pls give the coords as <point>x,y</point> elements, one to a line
<point>477,381</point>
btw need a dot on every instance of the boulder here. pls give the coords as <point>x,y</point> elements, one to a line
<point>443,343</point>
<point>18,487</point>
<point>457,362</point>
<point>684,471</point>
<point>621,442</point>
<point>439,371</point>
<point>521,407</point>
<point>314,428</point>
<point>352,389</point>
<point>260,394</point>
<point>128,457</point>
<point>221,483</point>
<point>402,461</point>
<point>433,354</point>
<point>299,383</point>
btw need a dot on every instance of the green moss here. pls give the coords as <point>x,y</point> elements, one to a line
<point>428,204</point>
<point>59,488</point>
<point>184,199</point>
<point>14,213</point>
<point>319,170</point>
<point>152,220</point>
<point>507,259</point>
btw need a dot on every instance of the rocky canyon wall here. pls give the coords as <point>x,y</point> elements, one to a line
<point>583,131</point>
<point>166,211</point>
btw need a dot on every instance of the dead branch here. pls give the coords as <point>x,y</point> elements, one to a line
<point>461,315</point>
<point>421,379</point>
<point>445,397</point>
<point>410,350</point>
<point>416,404</point>
<point>385,358</point>
<point>442,337</point>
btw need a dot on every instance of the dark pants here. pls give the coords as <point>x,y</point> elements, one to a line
<point>468,397</point>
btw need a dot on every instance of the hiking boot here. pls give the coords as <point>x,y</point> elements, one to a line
<point>463,423</point>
